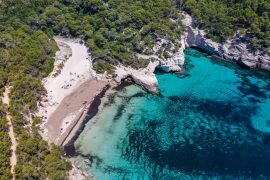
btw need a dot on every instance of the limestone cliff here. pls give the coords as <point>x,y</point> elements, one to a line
<point>234,49</point>
<point>175,59</point>
<point>144,77</point>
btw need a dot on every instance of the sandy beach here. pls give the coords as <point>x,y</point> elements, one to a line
<point>70,110</point>
<point>71,87</point>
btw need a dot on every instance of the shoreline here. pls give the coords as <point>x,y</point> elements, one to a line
<point>65,132</point>
<point>73,90</point>
<point>90,162</point>
<point>71,70</point>
<point>71,109</point>
<point>90,111</point>
<point>65,128</point>
<point>232,50</point>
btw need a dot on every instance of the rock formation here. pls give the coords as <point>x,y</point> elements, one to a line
<point>176,59</point>
<point>144,77</point>
<point>234,49</point>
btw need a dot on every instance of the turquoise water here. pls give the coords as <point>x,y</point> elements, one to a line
<point>211,122</point>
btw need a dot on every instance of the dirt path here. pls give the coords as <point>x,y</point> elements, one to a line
<point>13,159</point>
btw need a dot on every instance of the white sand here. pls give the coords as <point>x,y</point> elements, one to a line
<point>75,72</point>
<point>68,120</point>
<point>67,93</point>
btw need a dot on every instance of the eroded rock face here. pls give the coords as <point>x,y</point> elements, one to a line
<point>143,77</point>
<point>176,59</point>
<point>234,49</point>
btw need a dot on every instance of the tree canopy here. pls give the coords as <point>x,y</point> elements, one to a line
<point>115,31</point>
<point>222,18</point>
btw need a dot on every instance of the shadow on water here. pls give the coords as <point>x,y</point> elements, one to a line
<point>193,134</point>
<point>217,136</point>
<point>207,146</point>
<point>69,147</point>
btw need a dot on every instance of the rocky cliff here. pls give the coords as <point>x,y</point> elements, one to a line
<point>234,49</point>
<point>175,59</point>
<point>144,77</point>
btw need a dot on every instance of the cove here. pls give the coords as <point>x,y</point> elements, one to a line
<point>211,122</point>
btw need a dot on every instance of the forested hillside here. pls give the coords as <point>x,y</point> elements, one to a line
<point>115,31</point>
<point>222,18</point>
<point>26,56</point>
<point>4,144</point>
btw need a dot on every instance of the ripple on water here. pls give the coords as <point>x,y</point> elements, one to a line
<point>212,122</point>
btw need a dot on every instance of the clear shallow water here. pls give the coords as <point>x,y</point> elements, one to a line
<point>211,122</point>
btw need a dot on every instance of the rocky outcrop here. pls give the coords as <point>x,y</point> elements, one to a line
<point>173,61</point>
<point>234,49</point>
<point>176,59</point>
<point>143,77</point>
<point>167,54</point>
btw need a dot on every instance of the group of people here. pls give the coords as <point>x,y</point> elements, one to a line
<point>73,79</point>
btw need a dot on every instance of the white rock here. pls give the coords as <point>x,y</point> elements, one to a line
<point>232,49</point>
<point>144,77</point>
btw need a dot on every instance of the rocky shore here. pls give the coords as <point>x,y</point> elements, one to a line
<point>61,97</point>
<point>144,77</point>
<point>234,49</point>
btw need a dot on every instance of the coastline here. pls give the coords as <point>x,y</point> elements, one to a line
<point>234,49</point>
<point>72,88</point>
<point>88,108</point>
<point>90,111</point>
<point>71,70</point>
<point>74,95</point>
<point>95,151</point>
<point>71,109</point>
<point>70,148</point>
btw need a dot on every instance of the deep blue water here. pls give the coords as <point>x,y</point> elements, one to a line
<point>213,122</point>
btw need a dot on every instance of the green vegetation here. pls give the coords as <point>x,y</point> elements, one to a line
<point>26,56</point>
<point>102,66</point>
<point>222,18</point>
<point>114,30</point>
<point>38,161</point>
<point>4,144</point>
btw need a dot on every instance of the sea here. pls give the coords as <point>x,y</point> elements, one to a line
<point>210,122</point>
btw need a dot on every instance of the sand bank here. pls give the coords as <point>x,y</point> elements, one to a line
<point>70,88</point>
<point>75,72</point>
<point>70,110</point>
